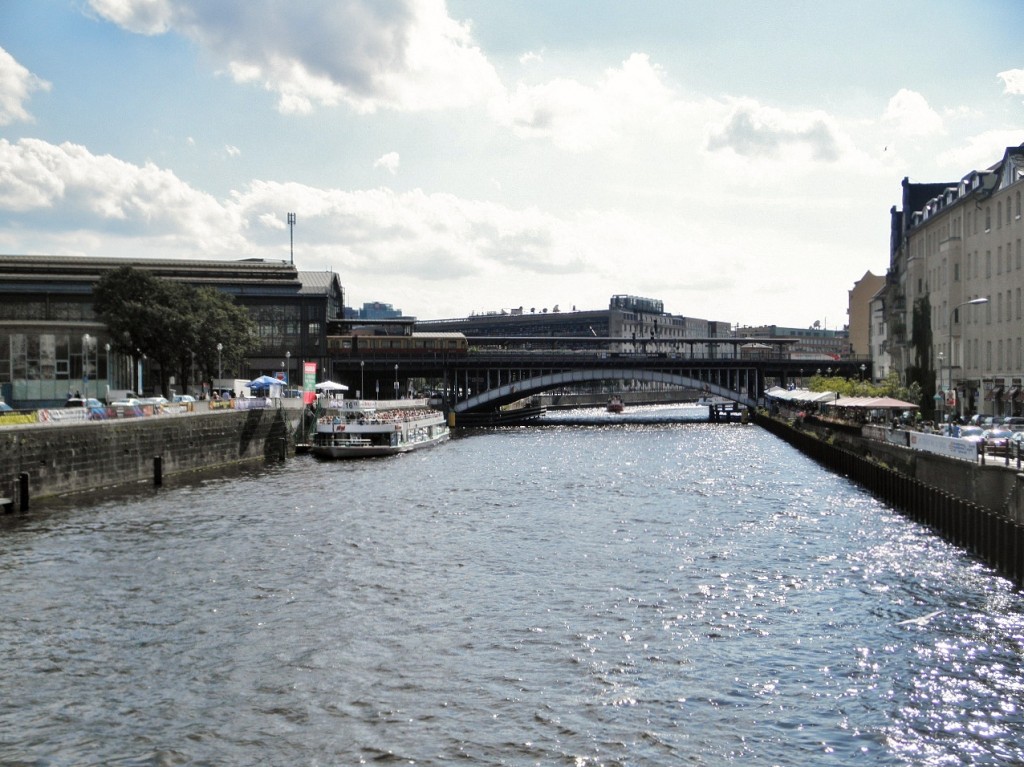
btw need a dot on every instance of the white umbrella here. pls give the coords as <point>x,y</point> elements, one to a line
<point>330,386</point>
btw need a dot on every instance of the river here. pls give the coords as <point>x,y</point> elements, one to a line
<point>654,593</point>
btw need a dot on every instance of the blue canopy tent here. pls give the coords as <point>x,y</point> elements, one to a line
<point>265,383</point>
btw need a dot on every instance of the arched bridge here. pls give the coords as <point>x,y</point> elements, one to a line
<point>494,390</point>
<point>492,375</point>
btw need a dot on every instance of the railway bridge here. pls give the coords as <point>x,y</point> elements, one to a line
<point>499,371</point>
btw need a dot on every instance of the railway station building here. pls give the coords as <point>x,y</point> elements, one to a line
<point>51,341</point>
<point>636,323</point>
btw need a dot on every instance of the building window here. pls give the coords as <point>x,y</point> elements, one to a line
<point>988,218</point>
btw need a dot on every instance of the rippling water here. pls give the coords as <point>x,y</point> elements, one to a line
<point>651,594</point>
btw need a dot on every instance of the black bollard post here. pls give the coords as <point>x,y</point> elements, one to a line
<point>23,491</point>
<point>158,470</point>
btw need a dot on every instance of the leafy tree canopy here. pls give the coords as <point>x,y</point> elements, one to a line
<point>851,387</point>
<point>174,324</point>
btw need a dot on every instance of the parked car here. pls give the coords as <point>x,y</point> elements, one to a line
<point>155,401</point>
<point>5,408</point>
<point>89,402</point>
<point>183,398</point>
<point>131,402</point>
<point>997,441</point>
<point>972,433</point>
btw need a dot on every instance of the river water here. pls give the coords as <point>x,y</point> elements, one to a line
<point>646,594</point>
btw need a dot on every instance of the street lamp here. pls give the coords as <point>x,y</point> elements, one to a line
<point>220,366</point>
<point>85,365</point>
<point>972,302</point>
<point>396,380</point>
<point>362,365</point>
<point>106,348</point>
<point>288,367</point>
<point>940,395</point>
<point>863,367</point>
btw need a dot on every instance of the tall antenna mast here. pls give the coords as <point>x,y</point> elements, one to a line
<point>291,237</point>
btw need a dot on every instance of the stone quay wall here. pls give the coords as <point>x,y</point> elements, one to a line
<point>77,457</point>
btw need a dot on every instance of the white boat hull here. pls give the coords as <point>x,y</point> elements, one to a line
<point>373,451</point>
<point>367,429</point>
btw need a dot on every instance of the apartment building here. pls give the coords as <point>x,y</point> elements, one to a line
<point>953,295</point>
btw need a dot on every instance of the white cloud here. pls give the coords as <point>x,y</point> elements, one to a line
<point>388,162</point>
<point>16,85</point>
<point>757,131</point>
<point>908,112</point>
<point>144,17</point>
<point>979,151</point>
<point>400,54</point>
<point>579,117</point>
<point>232,151</point>
<point>78,189</point>
<point>1013,81</point>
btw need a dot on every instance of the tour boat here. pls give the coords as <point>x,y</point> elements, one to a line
<point>615,404</point>
<point>358,428</point>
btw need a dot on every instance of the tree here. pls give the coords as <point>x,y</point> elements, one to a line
<point>921,372</point>
<point>219,320</point>
<point>171,323</point>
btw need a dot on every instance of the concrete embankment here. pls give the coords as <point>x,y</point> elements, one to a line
<point>975,507</point>
<point>60,459</point>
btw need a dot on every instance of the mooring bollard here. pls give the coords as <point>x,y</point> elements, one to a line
<point>23,491</point>
<point>158,470</point>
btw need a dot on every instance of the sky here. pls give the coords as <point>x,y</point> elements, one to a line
<point>735,159</point>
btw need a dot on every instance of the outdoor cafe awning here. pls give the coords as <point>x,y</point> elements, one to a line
<point>873,403</point>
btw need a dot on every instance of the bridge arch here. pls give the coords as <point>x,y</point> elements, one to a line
<point>511,392</point>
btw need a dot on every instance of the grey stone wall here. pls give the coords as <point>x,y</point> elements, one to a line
<point>87,456</point>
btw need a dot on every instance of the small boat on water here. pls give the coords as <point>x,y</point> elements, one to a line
<point>365,428</point>
<point>615,404</point>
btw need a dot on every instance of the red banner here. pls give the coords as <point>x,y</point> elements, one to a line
<point>309,382</point>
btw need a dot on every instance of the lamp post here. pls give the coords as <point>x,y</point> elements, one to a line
<point>288,367</point>
<point>940,395</point>
<point>106,348</point>
<point>396,380</point>
<point>972,302</point>
<point>863,367</point>
<point>220,366</point>
<point>362,365</point>
<point>85,365</point>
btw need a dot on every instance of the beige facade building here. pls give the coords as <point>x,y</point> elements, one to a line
<point>859,311</point>
<point>953,297</point>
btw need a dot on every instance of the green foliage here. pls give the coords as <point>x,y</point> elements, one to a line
<point>170,322</point>
<point>921,372</point>
<point>852,387</point>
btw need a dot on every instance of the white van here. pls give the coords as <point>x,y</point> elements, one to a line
<point>120,395</point>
